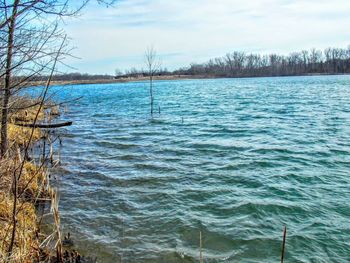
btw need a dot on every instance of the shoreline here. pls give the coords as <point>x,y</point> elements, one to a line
<point>30,227</point>
<point>166,78</point>
<point>120,80</point>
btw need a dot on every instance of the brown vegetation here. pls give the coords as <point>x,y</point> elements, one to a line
<point>31,44</point>
<point>21,190</point>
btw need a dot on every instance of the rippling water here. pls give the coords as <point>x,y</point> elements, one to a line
<point>236,159</point>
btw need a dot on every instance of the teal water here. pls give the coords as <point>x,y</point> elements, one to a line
<point>236,159</point>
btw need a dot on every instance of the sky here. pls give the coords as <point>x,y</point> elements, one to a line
<point>193,31</point>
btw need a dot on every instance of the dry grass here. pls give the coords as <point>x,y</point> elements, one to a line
<point>23,110</point>
<point>19,136</point>
<point>32,184</point>
<point>27,115</point>
<point>26,244</point>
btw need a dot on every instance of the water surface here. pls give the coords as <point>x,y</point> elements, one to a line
<point>236,159</point>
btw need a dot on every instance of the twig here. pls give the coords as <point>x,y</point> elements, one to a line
<point>200,247</point>
<point>14,212</point>
<point>283,243</point>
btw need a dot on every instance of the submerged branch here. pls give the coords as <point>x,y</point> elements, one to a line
<point>45,126</point>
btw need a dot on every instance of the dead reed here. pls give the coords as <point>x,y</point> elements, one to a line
<point>24,183</point>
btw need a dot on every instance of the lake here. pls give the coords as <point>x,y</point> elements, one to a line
<point>234,159</point>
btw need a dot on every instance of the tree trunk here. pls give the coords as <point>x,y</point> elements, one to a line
<point>151,92</point>
<point>45,126</point>
<point>7,84</point>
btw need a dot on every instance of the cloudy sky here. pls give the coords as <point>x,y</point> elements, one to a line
<point>186,31</point>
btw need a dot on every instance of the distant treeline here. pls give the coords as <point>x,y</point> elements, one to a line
<point>241,64</point>
<point>73,76</point>
<point>79,76</point>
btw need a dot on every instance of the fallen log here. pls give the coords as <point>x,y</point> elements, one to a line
<point>45,126</point>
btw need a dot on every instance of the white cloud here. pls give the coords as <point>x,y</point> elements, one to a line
<point>185,31</point>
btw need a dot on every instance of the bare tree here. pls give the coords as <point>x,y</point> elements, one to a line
<point>29,39</point>
<point>118,73</point>
<point>7,83</point>
<point>31,45</point>
<point>153,65</point>
<point>30,35</point>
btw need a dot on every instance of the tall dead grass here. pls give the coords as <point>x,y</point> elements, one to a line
<point>24,183</point>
